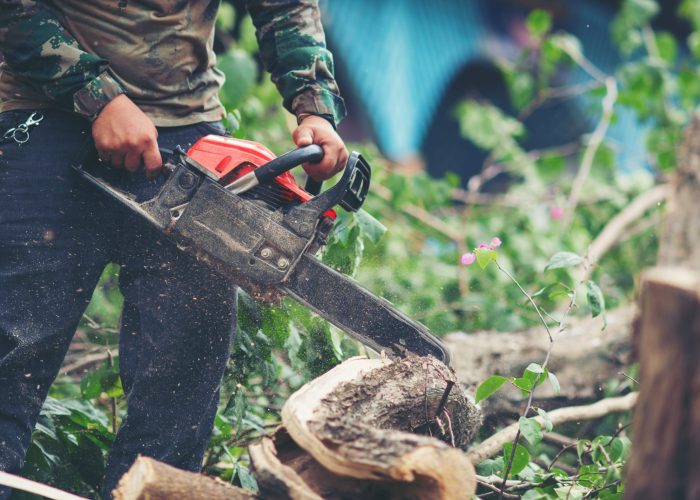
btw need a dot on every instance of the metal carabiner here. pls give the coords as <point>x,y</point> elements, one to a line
<point>34,119</point>
<point>20,133</point>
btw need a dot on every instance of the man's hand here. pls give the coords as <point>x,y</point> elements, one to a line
<point>126,137</point>
<point>317,130</point>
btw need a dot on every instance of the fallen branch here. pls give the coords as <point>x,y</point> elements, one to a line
<point>589,154</point>
<point>478,355</point>
<point>493,445</point>
<point>86,361</point>
<point>20,483</point>
<point>420,215</point>
<point>612,233</point>
<point>149,479</point>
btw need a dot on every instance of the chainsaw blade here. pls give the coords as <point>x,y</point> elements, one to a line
<point>374,321</point>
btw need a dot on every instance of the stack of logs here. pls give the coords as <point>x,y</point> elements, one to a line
<point>369,428</point>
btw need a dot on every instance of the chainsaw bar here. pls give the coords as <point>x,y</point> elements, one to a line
<point>269,247</point>
<point>372,320</point>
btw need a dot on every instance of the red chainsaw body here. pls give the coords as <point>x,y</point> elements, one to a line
<point>229,158</point>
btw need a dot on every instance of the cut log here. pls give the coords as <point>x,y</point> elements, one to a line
<point>664,460</point>
<point>149,479</point>
<point>354,434</point>
<point>584,358</point>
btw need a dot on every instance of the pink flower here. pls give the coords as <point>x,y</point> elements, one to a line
<point>496,241</point>
<point>556,213</point>
<point>483,245</point>
<point>467,259</point>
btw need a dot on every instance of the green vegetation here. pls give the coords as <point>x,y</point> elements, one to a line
<point>558,202</point>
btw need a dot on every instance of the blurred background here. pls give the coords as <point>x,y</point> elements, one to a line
<point>404,65</point>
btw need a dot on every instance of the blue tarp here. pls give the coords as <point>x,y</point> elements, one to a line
<point>400,55</point>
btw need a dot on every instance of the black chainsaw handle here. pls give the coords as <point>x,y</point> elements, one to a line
<point>313,187</point>
<point>307,154</point>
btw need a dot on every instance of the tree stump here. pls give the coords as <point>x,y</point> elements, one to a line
<point>372,428</point>
<point>664,461</point>
<point>149,479</point>
<point>679,243</point>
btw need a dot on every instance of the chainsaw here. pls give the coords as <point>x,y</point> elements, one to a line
<point>236,206</point>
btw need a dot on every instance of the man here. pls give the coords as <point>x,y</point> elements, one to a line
<point>136,75</point>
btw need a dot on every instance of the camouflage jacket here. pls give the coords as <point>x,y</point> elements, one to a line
<point>78,55</point>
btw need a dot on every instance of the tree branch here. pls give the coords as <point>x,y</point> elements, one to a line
<point>593,145</point>
<point>493,445</point>
<point>20,483</point>
<point>614,229</point>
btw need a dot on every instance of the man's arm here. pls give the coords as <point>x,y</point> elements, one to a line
<point>293,49</point>
<point>40,52</point>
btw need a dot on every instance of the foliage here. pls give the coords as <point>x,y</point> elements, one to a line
<point>418,258</point>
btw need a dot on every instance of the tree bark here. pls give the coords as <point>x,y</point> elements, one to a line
<point>679,243</point>
<point>355,432</point>
<point>584,358</point>
<point>664,460</point>
<point>149,479</point>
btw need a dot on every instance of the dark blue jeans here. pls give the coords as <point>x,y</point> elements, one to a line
<point>56,236</point>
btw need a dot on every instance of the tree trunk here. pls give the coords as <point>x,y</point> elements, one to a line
<point>679,244</point>
<point>149,479</point>
<point>355,432</point>
<point>664,460</point>
<point>584,358</point>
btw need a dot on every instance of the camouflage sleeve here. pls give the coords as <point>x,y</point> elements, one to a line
<point>293,49</point>
<point>38,50</point>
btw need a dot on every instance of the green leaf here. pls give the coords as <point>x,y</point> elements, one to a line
<point>534,368</point>
<point>581,447</point>
<point>370,226</point>
<point>521,85</point>
<point>535,494</point>
<point>489,387</point>
<point>530,429</point>
<point>490,466</point>
<point>694,44</point>
<point>596,301</point>
<point>275,324</point>
<point>555,382</point>
<point>640,11</point>
<point>241,71</point>
<point>521,458</point>
<point>539,22</point>
<point>548,426</point>
<point>485,256</point>
<point>668,48</point>
<point>486,125</point>
<point>534,372</point>
<point>550,166</point>
<point>620,449</point>
<point>246,478</point>
<point>90,386</point>
<point>690,9</point>
<point>562,260</point>
<point>568,44</point>
<point>524,384</point>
